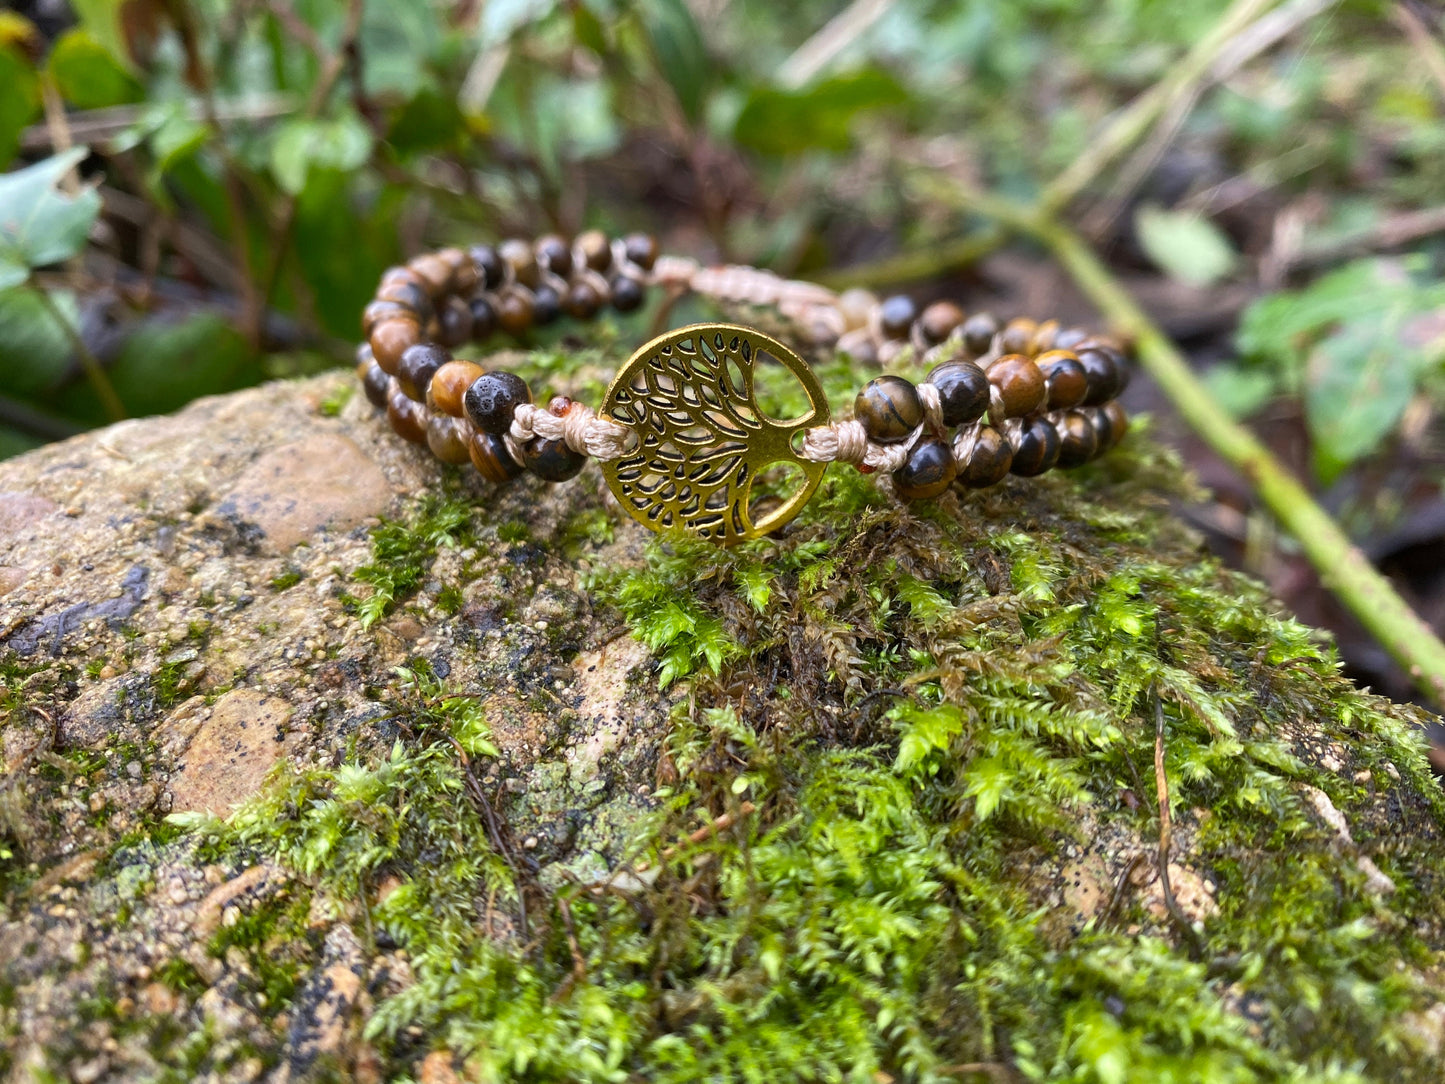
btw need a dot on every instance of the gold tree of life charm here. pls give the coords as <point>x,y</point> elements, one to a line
<point>700,441</point>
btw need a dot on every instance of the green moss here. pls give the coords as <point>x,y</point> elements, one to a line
<point>402,553</point>
<point>290,578</point>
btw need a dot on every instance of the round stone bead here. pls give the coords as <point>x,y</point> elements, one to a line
<point>989,464</point>
<point>641,249</point>
<point>554,254</point>
<point>1101,367</point>
<point>418,365</point>
<point>896,316</point>
<point>409,294</point>
<point>392,338</point>
<point>484,318</point>
<point>374,382</point>
<point>488,265</point>
<point>856,305</point>
<point>546,306</point>
<point>1019,383</point>
<point>978,332</point>
<point>1070,337</point>
<point>1080,442</point>
<point>449,386</point>
<point>406,415</point>
<point>1044,336</point>
<point>939,321</point>
<point>463,273</point>
<point>377,311</point>
<point>962,391</point>
<point>929,469</point>
<point>488,453</point>
<point>400,273</point>
<point>454,322</point>
<point>1065,378</point>
<point>552,460</point>
<point>627,293</point>
<point>493,398</point>
<point>1018,336</point>
<point>889,408</point>
<point>1038,448</point>
<point>595,249</point>
<point>582,301</point>
<point>518,255</point>
<point>515,310</point>
<point>435,273</point>
<point>1118,422</point>
<point>446,439</point>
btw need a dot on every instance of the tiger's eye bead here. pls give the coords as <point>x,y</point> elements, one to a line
<point>409,294</point>
<point>1102,370</point>
<point>546,306</point>
<point>1080,442</point>
<point>1118,422</point>
<point>595,249</point>
<point>552,460</point>
<point>406,415</point>
<point>978,332</point>
<point>989,464</point>
<point>374,382</point>
<point>400,273</point>
<point>392,338</point>
<point>514,310</point>
<point>377,311</point>
<point>889,408</point>
<point>1038,448</point>
<point>1044,336</point>
<point>463,273</point>
<point>493,398</point>
<point>939,321</point>
<point>962,391</point>
<point>434,272</point>
<point>1067,383</point>
<point>446,440</point>
<point>518,255</point>
<point>1018,336</point>
<point>1020,384</point>
<point>488,453</point>
<point>896,316</point>
<point>554,254</point>
<point>484,318</point>
<point>488,265</point>
<point>929,469</point>
<point>1069,338</point>
<point>449,384</point>
<point>418,365</point>
<point>455,320</point>
<point>641,249</point>
<point>582,301</point>
<point>627,293</point>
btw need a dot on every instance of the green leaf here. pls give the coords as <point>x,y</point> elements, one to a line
<point>783,122</point>
<point>19,104</point>
<point>39,224</point>
<point>34,349</point>
<point>681,56</point>
<point>303,144</point>
<point>1185,246</point>
<point>88,75</point>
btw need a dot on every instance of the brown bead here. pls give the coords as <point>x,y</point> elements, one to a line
<point>582,301</point>
<point>939,321</point>
<point>406,415</point>
<point>489,455</point>
<point>889,408</point>
<point>896,316</point>
<point>462,276</point>
<point>454,322</point>
<point>641,249</point>
<point>400,273</point>
<point>1070,338</point>
<point>554,254</point>
<point>1038,448</point>
<point>1020,385</point>
<point>1079,440</point>
<point>418,365</point>
<point>595,249</point>
<point>962,391</point>
<point>514,310</point>
<point>392,338</point>
<point>518,255</point>
<point>627,293</point>
<point>446,439</point>
<point>374,382</point>
<point>1118,422</point>
<point>1044,337</point>
<point>434,272</point>
<point>552,460</point>
<point>929,469</point>
<point>1018,336</point>
<point>1064,376</point>
<point>1101,367</point>
<point>989,464</point>
<point>449,384</point>
<point>377,311</point>
<point>409,294</point>
<point>978,332</point>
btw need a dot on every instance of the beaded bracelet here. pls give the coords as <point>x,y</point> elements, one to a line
<point>680,437</point>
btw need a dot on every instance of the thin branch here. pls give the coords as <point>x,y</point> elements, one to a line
<point>920,264</point>
<point>1391,232</point>
<point>815,54</point>
<point>94,125</point>
<point>94,371</point>
<point>1425,44</point>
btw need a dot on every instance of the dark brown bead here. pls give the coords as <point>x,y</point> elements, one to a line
<point>377,311</point>
<point>1045,336</point>
<point>1018,336</point>
<point>463,277</point>
<point>896,316</point>
<point>449,385</point>
<point>392,338</point>
<point>1020,384</point>
<point>488,453</point>
<point>990,461</point>
<point>939,321</point>
<point>929,469</point>
<point>1079,440</point>
<point>434,272</point>
<point>555,254</point>
<point>1064,376</point>
<point>409,294</point>
<point>406,415</point>
<point>484,318</point>
<point>447,439</point>
<point>1038,448</point>
<point>418,365</point>
<point>518,255</point>
<point>889,408</point>
<point>583,301</point>
<point>978,332</point>
<point>641,249</point>
<point>514,310</point>
<point>962,391</point>
<point>455,320</point>
<point>546,306</point>
<point>488,264</point>
<point>493,398</point>
<point>1069,338</point>
<point>1102,371</point>
<point>374,382</point>
<point>627,293</point>
<point>400,273</point>
<point>1118,422</point>
<point>595,249</point>
<point>552,460</point>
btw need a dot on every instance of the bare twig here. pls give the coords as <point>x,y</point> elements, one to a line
<point>94,125</point>
<point>822,48</point>
<point>94,370</point>
<point>1390,232</point>
<point>1166,832</point>
<point>722,824</point>
<point>1425,44</point>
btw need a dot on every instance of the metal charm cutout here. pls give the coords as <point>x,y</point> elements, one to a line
<point>701,440</point>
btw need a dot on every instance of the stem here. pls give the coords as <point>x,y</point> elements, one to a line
<point>94,371</point>
<point>915,266</point>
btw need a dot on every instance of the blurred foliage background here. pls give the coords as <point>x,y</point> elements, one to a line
<point>203,194</point>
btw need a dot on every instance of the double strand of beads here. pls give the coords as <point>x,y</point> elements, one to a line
<point>1019,397</point>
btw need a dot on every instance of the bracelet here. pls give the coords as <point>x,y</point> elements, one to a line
<point>680,438</point>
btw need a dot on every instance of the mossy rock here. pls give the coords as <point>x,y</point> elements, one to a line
<point>527,794</point>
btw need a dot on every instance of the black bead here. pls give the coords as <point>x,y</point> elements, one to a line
<point>583,301</point>
<point>978,332</point>
<point>929,469</point>
<point>552,460</point>
<point>554,254</point>
<point>962,391</point>
<point>627,293</point>
<point>374,381</point>
<point>896,316</point>
<point>1080,441</point>
<point>492,400</point>
<point>1038,449</point>
<point>489,265</point>
<point>1102,370</point>
<point>418,365</point>
<point>546,306</point>
<point>484,318</point>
